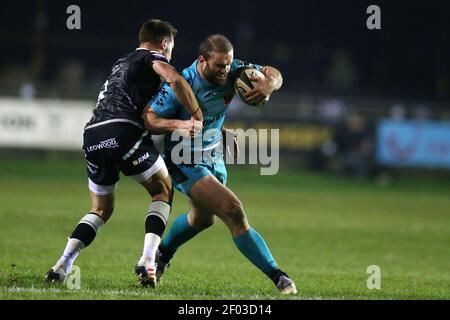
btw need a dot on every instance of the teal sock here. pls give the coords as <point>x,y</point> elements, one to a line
<point>253,247</point>
<point>179,233</point>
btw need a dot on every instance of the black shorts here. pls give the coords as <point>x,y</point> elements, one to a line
<point>119,146</point>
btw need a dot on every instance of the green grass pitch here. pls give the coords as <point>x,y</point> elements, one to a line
<point>323,230</point>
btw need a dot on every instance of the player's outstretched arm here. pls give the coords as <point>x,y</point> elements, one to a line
<point>180,87</point>
<point>157,125</point>
<point>264,87</point>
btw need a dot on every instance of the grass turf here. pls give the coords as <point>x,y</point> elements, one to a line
<point>323,230</point>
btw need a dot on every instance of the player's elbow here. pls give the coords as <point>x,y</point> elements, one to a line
<point>280,81</point>
<point>176,80</point>
<point>274,75</point>
<point>150,121</point>
<point>151,128</point>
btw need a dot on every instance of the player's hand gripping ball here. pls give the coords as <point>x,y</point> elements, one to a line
<point>243,84</point>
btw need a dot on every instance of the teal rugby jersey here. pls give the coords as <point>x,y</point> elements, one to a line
<point>213,101</point>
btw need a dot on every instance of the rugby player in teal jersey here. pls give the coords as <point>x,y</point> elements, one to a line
<point>204,180</point>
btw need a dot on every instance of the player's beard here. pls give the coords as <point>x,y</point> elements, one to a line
<point>212,77</point>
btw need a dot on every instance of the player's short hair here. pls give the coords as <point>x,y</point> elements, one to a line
<point>214,43</point>
<point>155,30</point>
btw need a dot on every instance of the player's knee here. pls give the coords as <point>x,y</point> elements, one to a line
<point>234,213</point>
<point>159,189</point>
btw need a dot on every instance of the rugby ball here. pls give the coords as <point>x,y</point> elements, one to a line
<point>243,84</point>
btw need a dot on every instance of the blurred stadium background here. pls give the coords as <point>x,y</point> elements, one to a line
<point>364,119</point>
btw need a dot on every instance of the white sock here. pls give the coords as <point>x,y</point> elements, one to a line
<point>151,244</point>
<point>71,252</point>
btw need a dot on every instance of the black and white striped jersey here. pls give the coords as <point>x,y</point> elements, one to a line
<point>128,89</point>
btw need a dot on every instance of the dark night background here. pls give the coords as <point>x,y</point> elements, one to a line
<point>408,58</point>
<point>358,137</point>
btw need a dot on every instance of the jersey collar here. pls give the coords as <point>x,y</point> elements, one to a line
<point>153,51</point>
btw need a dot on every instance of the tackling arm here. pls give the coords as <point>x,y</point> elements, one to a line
<point>157,125</point>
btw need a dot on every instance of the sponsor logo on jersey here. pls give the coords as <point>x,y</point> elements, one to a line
<point>105,144</point>
<point>141,159</point>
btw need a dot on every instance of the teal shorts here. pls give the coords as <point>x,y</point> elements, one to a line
<point>184,176</point>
